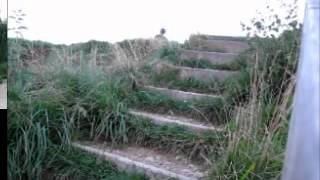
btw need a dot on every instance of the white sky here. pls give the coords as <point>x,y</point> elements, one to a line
<point>71,21</point>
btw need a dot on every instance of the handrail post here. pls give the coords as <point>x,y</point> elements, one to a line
<point>302,157</point>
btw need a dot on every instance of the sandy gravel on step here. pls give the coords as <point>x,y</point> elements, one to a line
<point>3,95</point>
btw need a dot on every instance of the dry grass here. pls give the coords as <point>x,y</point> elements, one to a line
<point>257,139</point>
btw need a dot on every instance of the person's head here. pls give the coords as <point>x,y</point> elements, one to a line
<point>162,31</point>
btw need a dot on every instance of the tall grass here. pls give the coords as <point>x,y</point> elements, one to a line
<point>51,104</point>
<point>258,136</point>
<point>66,106</point>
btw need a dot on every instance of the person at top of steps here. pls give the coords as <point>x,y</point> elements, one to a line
<point>160,38</point>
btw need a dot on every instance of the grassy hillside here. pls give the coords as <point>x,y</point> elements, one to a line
<point>53,101</point>
<point>59,94</point>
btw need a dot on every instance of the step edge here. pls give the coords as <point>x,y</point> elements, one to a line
<point>226,40</point>
<point>146,167</point>
<point>202,69</point>
<point>210,52</point>
<point>173,120</point>
<point>184,92</point>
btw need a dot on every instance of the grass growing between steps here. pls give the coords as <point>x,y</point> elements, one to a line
<point>212,111</point>
<point>172,53</point>
<point>170,79</point>
<point>52,107</point>
<point>261,97</point>
<point>51,104</point>
<point>175,139</point>
<point>233,88</point>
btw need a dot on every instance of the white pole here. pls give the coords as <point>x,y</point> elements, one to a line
<point>302,154</point>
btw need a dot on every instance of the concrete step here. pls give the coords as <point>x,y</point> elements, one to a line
<point>205,75</point>
<point>152,163</point>
<point>181,95</point>
<point>189,124</point>
<point>212,57</point>
<point>226,46</point>
<point>215,37</point>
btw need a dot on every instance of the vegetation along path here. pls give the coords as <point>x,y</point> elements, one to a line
<point>213,107</point>
<point>209,61</point>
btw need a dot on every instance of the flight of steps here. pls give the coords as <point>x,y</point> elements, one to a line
<point>158,165</point>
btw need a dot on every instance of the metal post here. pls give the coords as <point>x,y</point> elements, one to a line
<point>302,154</point>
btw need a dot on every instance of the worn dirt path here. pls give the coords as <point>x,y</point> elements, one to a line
<point>3,95</point>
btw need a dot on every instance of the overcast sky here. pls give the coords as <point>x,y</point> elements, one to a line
<point>3,9</point>
<point>71,21</point>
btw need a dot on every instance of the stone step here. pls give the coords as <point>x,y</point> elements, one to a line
<point>189,124</point>
<point>152,163</point>
<point>226,46</point>
<point>212,57</point>
<point>181,95</point>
